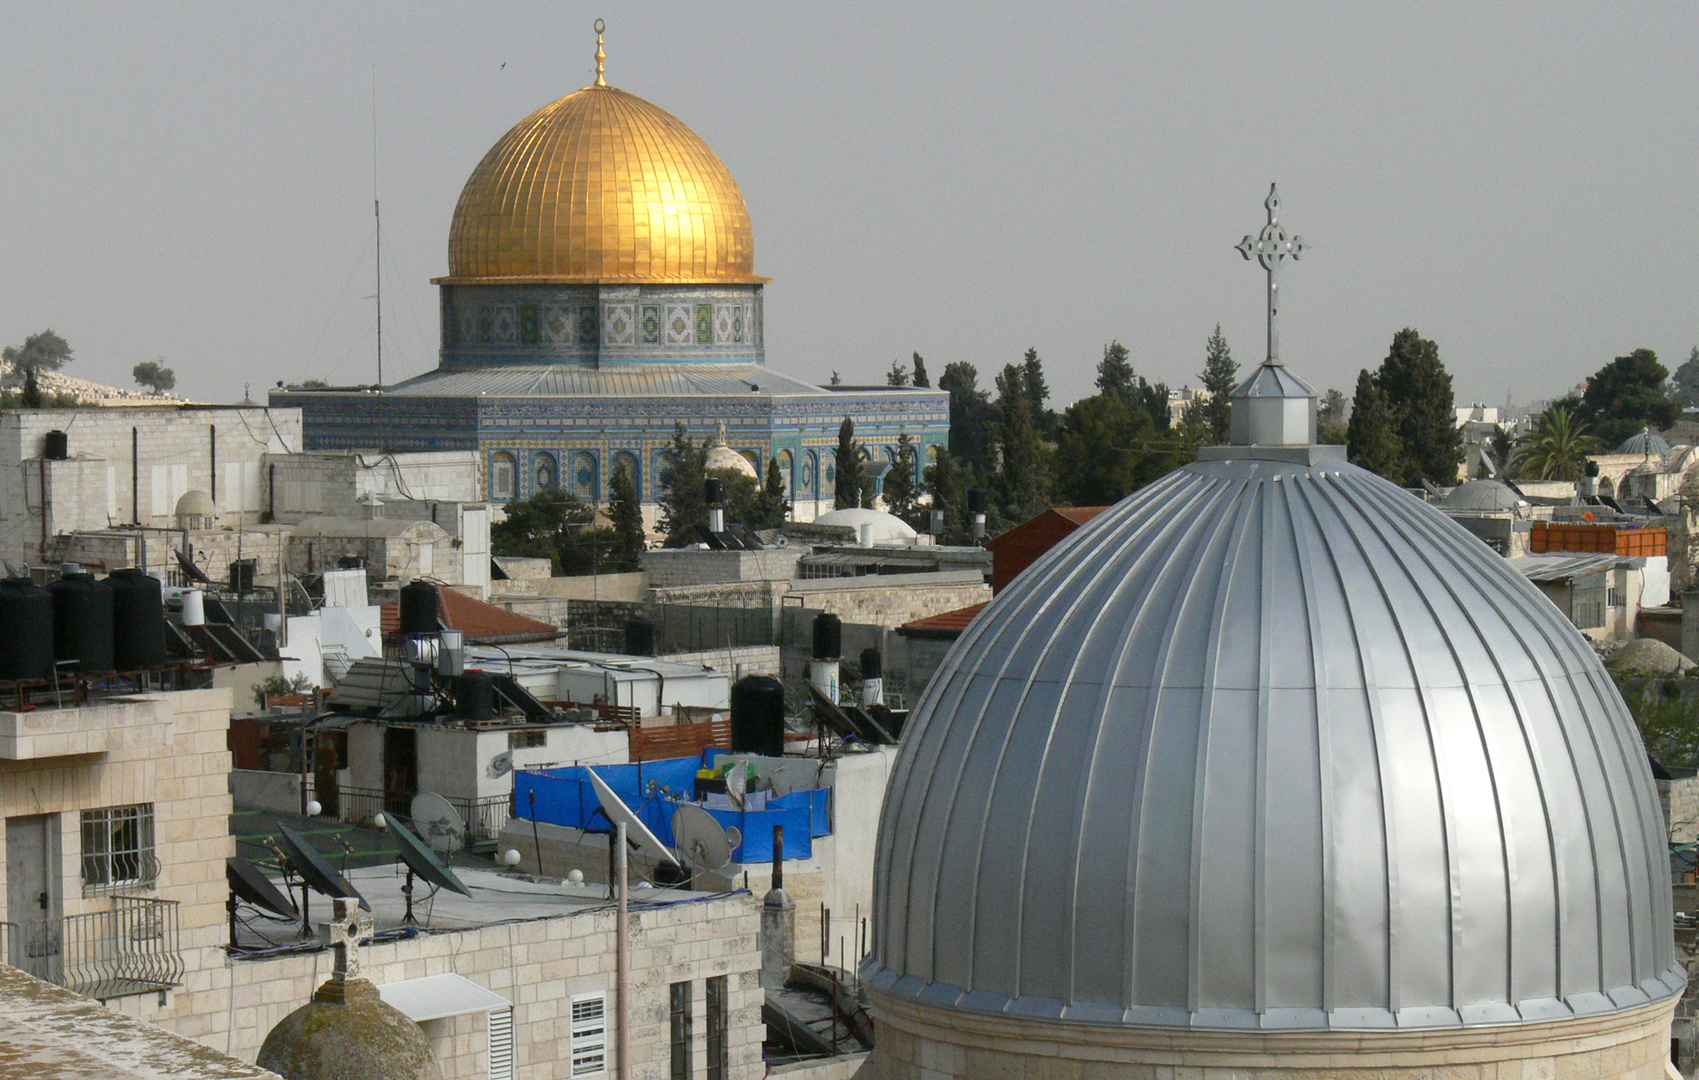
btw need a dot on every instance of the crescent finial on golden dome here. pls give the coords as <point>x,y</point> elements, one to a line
<point>601,57</point>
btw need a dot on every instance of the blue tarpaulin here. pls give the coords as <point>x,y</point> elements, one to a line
<point>566,797</point>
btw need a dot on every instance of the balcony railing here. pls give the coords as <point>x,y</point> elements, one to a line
<point>130,948</point>
<point>484,818</point>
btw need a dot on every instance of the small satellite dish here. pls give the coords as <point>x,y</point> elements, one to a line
<point>701,839</point>
<point>735,782</point>
<point>249,884</point>
<point>438,822</point>
<point>316,870</point>
<point>500,765</point>
<point>636,832</point>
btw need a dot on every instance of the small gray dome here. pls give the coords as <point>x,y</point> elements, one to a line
<point>196,503</point>
<point>1481,495</point>
<point>1273,745</point>
<point>1644,443</point>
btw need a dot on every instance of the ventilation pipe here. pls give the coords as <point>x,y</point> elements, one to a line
<point>714,490</point>
<point>778,923</point>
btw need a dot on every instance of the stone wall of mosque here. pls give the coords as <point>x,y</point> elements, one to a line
<point>925,1042</point>
<point>130,465</point>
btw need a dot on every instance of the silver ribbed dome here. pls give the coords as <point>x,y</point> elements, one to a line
<point>1644,443</point>
<point>1273,745</point>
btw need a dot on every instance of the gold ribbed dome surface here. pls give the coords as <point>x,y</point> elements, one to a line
<point>601,186</point>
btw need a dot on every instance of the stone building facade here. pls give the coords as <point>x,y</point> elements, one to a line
<point>118,813</point>
<point>130,466</point>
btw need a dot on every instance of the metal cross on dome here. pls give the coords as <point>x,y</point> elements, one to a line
<point>343,935</point>
<point>1271,246</point>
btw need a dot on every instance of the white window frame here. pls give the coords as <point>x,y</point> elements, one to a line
<point>587,1047</point>
<point>111,860</point>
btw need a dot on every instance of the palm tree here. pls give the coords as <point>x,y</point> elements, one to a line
<point>1555,448</point>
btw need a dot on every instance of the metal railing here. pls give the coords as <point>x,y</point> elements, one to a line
<point>130,948</point>
<point>484,818</point>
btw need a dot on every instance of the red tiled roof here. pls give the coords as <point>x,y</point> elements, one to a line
<point>1079,515</point>
<point>950,622</point>
<point>479,621</point>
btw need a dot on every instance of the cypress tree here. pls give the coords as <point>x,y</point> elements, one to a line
<point>1022,481</point>
<point>1371,442</point>
<point>1220,375</point>
<point>627,518</point>
<point>1417,392</point>
<point>920,378</point>
<point>684,500</point>
<point>848,457</point>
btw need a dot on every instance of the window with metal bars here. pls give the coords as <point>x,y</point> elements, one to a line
<point>590,1034</point>
<point>118,848</point>
<point>680,1014</point>
<point>719,1018</point>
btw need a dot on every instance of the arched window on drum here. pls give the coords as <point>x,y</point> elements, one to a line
<point>810,472</point>
<point>787,472</point>
<point>504,475</point>
<point>626,460</point>
<point>586,482</point>
<point>545,472</point>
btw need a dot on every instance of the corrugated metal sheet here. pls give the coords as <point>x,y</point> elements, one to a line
<point>1273,746</point>
<point>1562,567</point>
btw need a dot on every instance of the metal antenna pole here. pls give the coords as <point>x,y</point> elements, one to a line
<point>1271,246</point>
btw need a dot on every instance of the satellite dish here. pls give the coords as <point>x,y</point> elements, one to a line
<point>736,778</point>
<point>249,884</point>
<point>438,822</point>
<point>422,861</point>
<point>316,870</point>
<point>635,831</point>
<point>701,840</point>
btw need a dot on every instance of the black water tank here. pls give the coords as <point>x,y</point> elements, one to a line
<point>418,608</point>
<point>828,636</point>
<point>639,637</point>
<point>475,696</point>
<point>57,446</point>
<point>26,630</point>
<point>977,503</point>
<point>242,576</point>
<point>82,622</point>
<point>138,620</point>
<point>758,716</point>
<point>714,489</point>
<point>870,664</point>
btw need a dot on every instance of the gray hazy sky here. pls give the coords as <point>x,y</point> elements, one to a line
<point>1519,182</point>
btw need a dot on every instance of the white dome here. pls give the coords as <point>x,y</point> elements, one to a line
<point>724,457</point>
<point>1273,745</point>
<point>887,528</point>
<point>196,503</point>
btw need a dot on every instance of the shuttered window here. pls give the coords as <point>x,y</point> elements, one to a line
<point>590,1034</point>
<point>719,1015</point>
<point>501,1044</point>
<point>680,1028</point>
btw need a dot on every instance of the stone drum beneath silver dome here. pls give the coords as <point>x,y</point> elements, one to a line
<point>1270,747</point>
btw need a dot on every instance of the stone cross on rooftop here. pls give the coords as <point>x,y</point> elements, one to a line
<point>343,934</point>
<point>1270,247</point>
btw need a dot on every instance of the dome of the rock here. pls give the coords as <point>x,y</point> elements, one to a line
<point>601,187</point>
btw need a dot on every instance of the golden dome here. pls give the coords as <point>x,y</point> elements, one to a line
<point>601,187</point>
